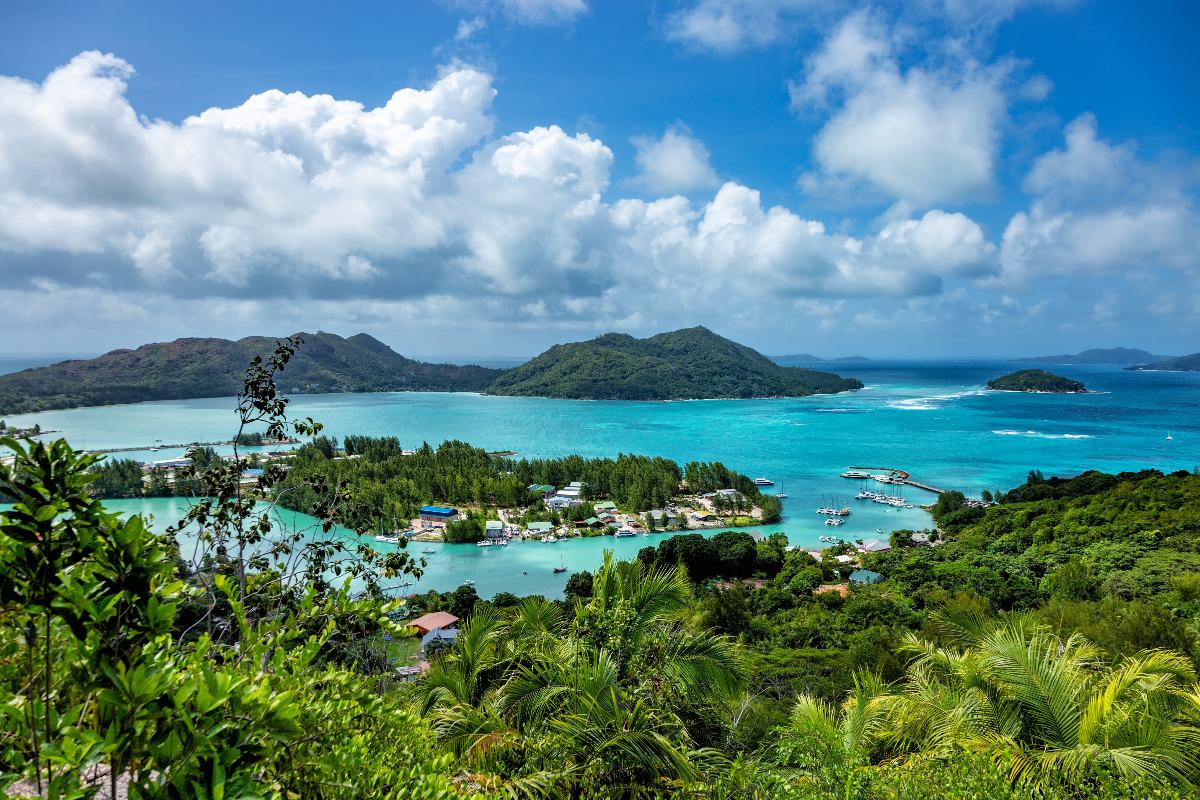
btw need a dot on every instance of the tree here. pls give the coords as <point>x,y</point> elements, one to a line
<point>463,600</point>
<point>579,585</point>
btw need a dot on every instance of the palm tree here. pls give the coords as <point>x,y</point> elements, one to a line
<point>1050,709</point>
<point>608,694</point>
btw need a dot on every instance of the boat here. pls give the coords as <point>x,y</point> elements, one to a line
<point>387,539</point>
<point>561,568</point>
<point>468,582</point>
<point>428,551</point>
<point>856,474</point>
<point>835,521</point>
<point>484,543</point>
<point>624,532</point>
<point>550,539</point>
<point>763,482</point>
<point>781,494</point>
<point>1169,436</point>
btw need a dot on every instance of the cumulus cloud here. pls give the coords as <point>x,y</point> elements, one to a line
<point>524,12</point>
<point>673,162</point>
<point>917,135</point>
<point>414,206</point>
<point>1098,207</point>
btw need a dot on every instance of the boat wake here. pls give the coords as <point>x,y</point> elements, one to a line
<point>1040,435</point>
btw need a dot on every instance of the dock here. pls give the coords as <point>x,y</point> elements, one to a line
<point>904,478</point>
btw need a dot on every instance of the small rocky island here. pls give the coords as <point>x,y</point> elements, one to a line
<point>1036,380</point>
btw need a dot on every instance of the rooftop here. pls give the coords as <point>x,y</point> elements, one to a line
<point>434,620</point>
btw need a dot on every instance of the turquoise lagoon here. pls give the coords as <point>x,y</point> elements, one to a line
<point>932,419</point>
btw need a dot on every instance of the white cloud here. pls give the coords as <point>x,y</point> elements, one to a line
<point>1099,208</point>
<point>916,135</point>
<point>544,12</point>
<point>412,207</point>
<point>468,28</point>
<point>674,162</point>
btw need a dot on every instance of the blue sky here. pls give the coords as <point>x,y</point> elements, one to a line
<point>945,177</point>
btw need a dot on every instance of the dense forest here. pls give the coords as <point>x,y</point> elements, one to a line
<point>387,484</point>
<point>1045,646</point>
<point>689,363</point>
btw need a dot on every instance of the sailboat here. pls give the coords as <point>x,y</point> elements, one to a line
<point>1169,436</point>
<point>781,494</point>
<point>562,568</point>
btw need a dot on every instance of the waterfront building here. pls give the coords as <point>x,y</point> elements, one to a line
<point>442,514</point>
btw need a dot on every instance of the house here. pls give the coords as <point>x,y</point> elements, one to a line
<point>544,489</point>
<point>493,529</point>
<point>874,546</point>
<point>540,528</point>
<point>661,517</point>
<point>605,505</point>
<point>447,635</point>
<point>921,540</point>
<point>841,588</point>
<point>432,621</point>
<point>569,492</point>
<point>590,522</point>
<point>607,518</point>
<point>558,502</point>
<point>865,576</point>
<point>727,493</point>
<point>441,514</point>
<point>844,559</point>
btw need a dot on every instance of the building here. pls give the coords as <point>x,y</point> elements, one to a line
<point>433,621</point>
<point>558,502</point>
<point>865,576</point>
<point>493,529</point>
<point>447,635</point>
<point>921,540</point>
<point>544,489</point>
<point>874,546</point>
<point>662,517</point>
<point>605,505</point>
<point>591,522</point>
<point>540,528</point>
<point>440,514</point>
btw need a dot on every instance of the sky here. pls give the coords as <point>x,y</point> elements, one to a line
<point>933,178</point>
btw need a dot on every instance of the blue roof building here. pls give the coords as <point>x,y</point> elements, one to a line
<point>865,576</point>
<point>438,512</point>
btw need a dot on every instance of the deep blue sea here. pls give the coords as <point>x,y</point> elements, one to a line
<point>931,418</point>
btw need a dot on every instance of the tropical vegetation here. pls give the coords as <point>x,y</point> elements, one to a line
<point>1036,380</point>
<point>1045,647</point>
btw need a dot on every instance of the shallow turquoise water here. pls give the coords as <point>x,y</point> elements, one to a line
<point>930,418</point>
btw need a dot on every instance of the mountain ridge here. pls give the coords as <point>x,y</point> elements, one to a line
<point>1188,363</point>
<point>1120,356</point>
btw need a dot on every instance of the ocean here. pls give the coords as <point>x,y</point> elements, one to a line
<point>930,418</point>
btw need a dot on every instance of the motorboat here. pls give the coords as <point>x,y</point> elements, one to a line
<point>387,539</point>
<point>429,551</point>
<point>763,482</point>
<point>484,543</point>
<point>835,521</point>
<point>856,474</point>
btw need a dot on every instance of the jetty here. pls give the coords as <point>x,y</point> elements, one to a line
<point>900,476</point>
<point>158,446</point>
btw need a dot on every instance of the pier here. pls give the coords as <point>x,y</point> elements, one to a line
<point>274,443</point>
<point>903,477</point>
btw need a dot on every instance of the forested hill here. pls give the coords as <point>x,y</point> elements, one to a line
<point>693,363</point>
<point>1182,364</point>
<point>187,368</point>
<point>1036,380</point>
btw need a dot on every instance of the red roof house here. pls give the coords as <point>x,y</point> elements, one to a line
<point>432,621</point>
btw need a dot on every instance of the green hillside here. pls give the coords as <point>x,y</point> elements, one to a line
<point>1181,364</point>
<point>691,363</point>
<point>187,368</point>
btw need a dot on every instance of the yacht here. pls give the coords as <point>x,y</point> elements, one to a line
<point>1169,436</point>
<point>624,532</point>
<point>484,543</point>
<point>835,521</point>
<point>781,494</point>
<point>468,582</point>
<point>429,551</point>
<point>763,482</point>
<point>856,474</point>
<point>550,539</point>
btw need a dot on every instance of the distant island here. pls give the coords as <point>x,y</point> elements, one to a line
<point>1119,356</point>
<point>693,363</point>
<point>1036,380</point>
<point>1181,364</point>
<point>811,358</point>
<point>190,368</point>
<point>688,364</point>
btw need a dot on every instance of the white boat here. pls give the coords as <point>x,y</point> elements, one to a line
<point>856,474</point>
<point>468,582</point>
<point>484,543</point>
<point>835,521</point>
<point>551,539</point>
<point>1169,436</point>
<point>781,494</point>
<point>763,482</point>
<point>623,532</point>
<point>428,551</point>
<point>387,539</point>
